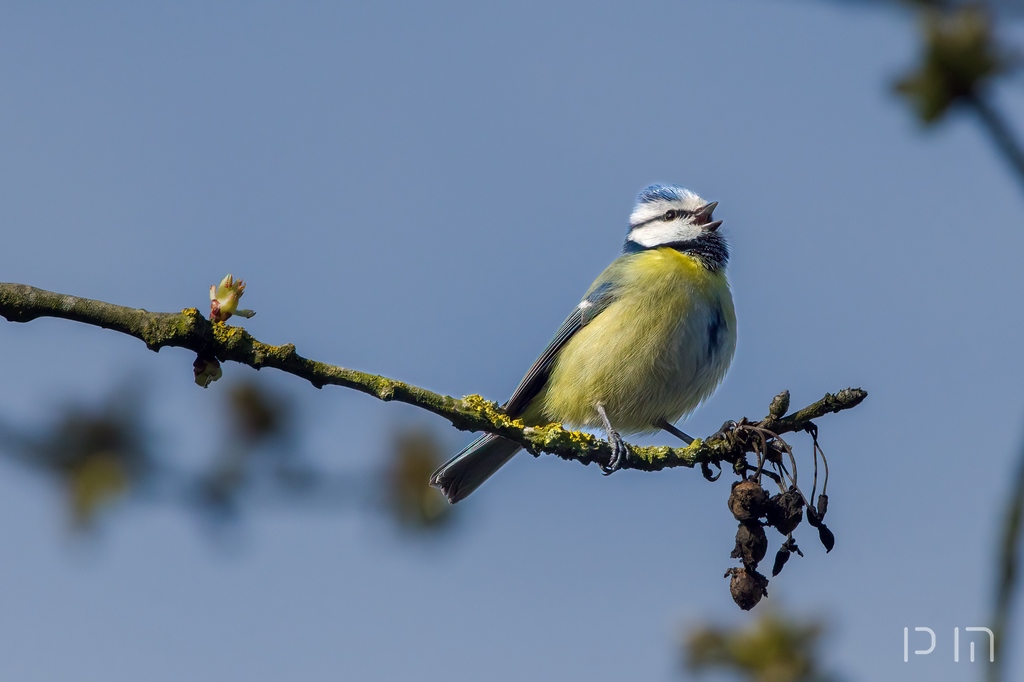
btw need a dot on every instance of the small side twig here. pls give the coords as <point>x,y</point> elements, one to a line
<point>999,130</point>
<point>1008,567</point>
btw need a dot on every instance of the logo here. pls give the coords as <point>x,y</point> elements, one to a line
<point>956,643</point>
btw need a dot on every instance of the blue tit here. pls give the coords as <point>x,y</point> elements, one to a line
<point>652,338</point>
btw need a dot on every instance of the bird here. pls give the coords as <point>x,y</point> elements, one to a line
<point>651,340</point>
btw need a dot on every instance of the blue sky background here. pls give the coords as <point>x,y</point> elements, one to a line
<point>424,191</point>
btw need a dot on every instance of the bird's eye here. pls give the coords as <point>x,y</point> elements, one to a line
<point>670,215</point>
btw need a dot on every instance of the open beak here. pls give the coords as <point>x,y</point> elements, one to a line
<point>703,215</point>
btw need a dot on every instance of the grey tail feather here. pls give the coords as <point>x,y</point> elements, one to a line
<point>464,472</point>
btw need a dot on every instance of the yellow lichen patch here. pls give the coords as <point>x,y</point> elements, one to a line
<point>323,369</point>
<point>651,454</point>
<point>385,388</point>
<point>280,352</point>
<point>695,446</point>
<point>578,438</point>
<point>478,403</point>
<point>179,327</point>
<point>556,437</point>
<point>489,411</point>
<point>691,453</point>
<point>227,334</point>
<point>666,456</point>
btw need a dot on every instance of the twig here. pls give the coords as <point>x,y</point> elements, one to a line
<point>1008,568</point>
<point>189,329</point>
<point>1000,132</point>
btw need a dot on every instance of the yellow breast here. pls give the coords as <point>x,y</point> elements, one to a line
<point>650,355</point>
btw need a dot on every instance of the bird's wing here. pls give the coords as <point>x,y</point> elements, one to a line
<point>600,296</point>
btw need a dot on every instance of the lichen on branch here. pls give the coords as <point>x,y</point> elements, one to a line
<point>190,330</point>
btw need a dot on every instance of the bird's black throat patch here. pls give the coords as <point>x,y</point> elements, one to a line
<point>710,248</point>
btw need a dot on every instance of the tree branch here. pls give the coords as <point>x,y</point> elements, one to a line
<point>189,329</point>
<point>1008,572</point>
<point>1000,132</point>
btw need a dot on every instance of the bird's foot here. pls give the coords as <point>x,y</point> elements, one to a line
<point>620,451</point>
<point>727,428</point>
<point>620,454</point>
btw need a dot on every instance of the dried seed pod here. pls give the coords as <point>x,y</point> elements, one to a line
<point>822,505</point>
<point>748,500</point>
<point>779,405</point>
<point>747,587</point>
<point>781,557</point>
<point>751,543</point>
<point>812,517</point>
<point>785,511</point>
<point>826,537</point>
<point>775,452</point>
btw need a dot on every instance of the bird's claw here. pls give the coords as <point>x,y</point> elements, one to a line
<point>620,454</point>
<point>709,475</point>
<point>727,427</point>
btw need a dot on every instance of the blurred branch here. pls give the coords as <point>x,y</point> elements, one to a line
<point>960,59</point>
<point>1000,132</point>
<point>216,340</point>
<point>1011,9</point>
<point>959,62</point>
<point>1009,570</point>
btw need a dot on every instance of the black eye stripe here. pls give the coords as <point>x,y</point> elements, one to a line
<point>680,213</point>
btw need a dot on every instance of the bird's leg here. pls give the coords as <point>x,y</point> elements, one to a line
<point>665,426</point>
<point>620,451</point>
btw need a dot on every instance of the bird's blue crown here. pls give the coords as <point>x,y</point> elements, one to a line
<point>654,193</point>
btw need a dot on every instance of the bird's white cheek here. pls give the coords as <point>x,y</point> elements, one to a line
<point>657,233</point>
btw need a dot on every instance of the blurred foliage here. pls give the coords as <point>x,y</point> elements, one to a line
<point>103,454</point>
<point>258,422</point>
<point>959,58</point>
<point>772,648</point>
<point>411,500</point>
<point>93,482</point>
<point>1005,8</point>
<point>98,454</point>
<point>257,414</point>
